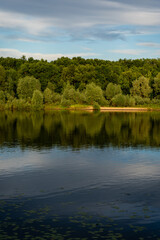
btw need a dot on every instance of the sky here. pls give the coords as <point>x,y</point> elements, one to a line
<point>102,29</point>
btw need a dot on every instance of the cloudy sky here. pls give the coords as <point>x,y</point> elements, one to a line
<point>105,29</point>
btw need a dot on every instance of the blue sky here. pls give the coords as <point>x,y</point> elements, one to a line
<point>88,28</point>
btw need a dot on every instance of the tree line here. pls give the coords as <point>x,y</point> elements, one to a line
<point>26,83</point>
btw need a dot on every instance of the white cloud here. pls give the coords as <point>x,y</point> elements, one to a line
<point>80,16</point>
<point>149,44</point>
<point>24,23</point>
<point>5,52</point>
<point>128,51</point>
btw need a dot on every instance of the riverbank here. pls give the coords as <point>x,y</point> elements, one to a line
<point>103,109</point>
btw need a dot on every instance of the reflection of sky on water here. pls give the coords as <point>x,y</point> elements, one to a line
<point>109,181</point>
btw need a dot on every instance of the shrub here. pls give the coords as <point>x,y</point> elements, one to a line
<point>112,90</point>
<point>141,87</point>
<point>9,97</point>
<point>81,97</point>
<point>96,106</point>
<point>119,101</point>
<point>69,93</point>
<point>26,87</point>
<point>94,94</point>
<point>48,97</point>
<point>141,101</point>
<point>130,101</point>
<point>2,97</point>
<point>56,98</point>
<point>20,104</point>
<point>147,100</point>
<point>123,101</point>
<point>37,100</point>
<point>138,100</point>
<point>66,102</point>
<point>155,101</point>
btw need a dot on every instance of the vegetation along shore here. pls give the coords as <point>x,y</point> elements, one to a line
<point>79,83</point>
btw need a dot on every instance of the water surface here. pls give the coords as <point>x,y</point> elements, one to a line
<point>79,175</point>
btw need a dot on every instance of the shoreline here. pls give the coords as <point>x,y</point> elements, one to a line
<point>104,109</point>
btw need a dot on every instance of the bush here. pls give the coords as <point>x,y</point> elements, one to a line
<point>66,102</point>
<point>147,100</point>
<point>119,101</point>
<point>9,97</point>
<point>123,101</point>
<point>130,101</point>
<point>104,103</point>
<point>70,94</point>
<point>37,100</point>
<point>20,104</point>
<point>141,87</point>
<point>96,106</point>
<point>26,87</point>
<point>94,94</point>
<point>112,90</point>
<point>141,101</point>
<point>56,98</point>
<point>48,97</point>
<point>2,97</point>
<point>138,100</point>
<point>155,101</point>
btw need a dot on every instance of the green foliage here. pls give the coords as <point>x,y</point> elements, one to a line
<point>66,102</point>
<point>96,106</point>
<point>123,101</point>
<point>9,97</point>
<point>51,86</point>
<point>11,82</point>
<point>140,77</point>
<point>20,104</point>
<point>56,98</point>
<point>2,78</point>
<point>2,97</point>
<point>126,79</point>
<point>37,100</point>
<point>155,101</point>
<point>141,101</point>
<point>94,94</point>
<point>141,87</point>
<point>130,101</point>
<point>26,87</point>
<point>70,94</point>
<point>156,85</point>
<point>112,90</point>
<point>48,96</point>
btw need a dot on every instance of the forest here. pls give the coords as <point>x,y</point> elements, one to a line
<point>34,84</point>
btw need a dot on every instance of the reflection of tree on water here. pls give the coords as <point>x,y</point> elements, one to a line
<point>80,129</point>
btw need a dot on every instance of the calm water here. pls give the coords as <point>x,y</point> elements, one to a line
<point>72,175</point>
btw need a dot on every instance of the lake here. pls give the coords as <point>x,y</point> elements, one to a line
<point>79,175</point>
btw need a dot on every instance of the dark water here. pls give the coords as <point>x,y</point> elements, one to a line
<point>72,175</point>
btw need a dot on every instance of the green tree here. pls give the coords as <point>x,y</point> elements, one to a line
<point>112,90</point>
<point>37,100</point>
<point>70,93</point>
<point>141,87</point>
<point>2,97</point>
<point>156,85</point>
<point>2,78</point>
<point>94,94</point>
<point>48,96</point>
<point>123,101</point>
<point>26,87</point>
